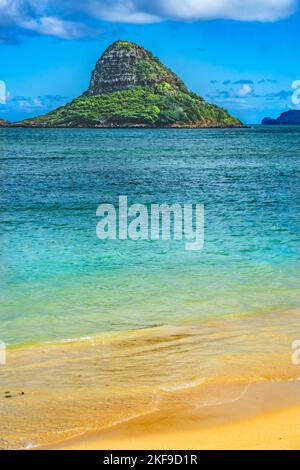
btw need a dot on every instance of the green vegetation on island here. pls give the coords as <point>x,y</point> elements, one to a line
<point>132,88</point>
<point>139,106</point>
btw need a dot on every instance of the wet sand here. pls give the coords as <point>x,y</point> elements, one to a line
<point>169,386</point>
<point>266,416</point>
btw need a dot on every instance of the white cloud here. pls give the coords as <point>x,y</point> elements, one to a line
<point>245,90</point>
<point>120,11</point>
<point>245,10</point>
<point>32,16</point>
<point>52,26</point>
<point>144,11</point>
<point>70,19</point>
<point>36,104</point>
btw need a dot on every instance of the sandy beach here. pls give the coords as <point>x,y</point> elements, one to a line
<point>193,387</point>
<point>260,419</point>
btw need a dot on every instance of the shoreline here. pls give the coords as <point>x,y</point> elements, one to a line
<point>188,377</point>
<point>260,419</point>
<point>12,125</point>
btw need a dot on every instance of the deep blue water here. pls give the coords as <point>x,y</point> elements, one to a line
<point>61,281</point>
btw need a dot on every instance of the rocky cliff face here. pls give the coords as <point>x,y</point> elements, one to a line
<point>132,88</point>
<point>4,123</point>
<point>127,65</point>
<point>291,117</point>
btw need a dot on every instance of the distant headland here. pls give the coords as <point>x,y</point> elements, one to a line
<point>291,117</point>
<point>130,87</point>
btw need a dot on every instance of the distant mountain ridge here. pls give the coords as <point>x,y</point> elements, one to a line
<point>291,117</point>
<point>130,87</point>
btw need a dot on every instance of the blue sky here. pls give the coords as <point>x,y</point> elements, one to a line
<point>240,54</point>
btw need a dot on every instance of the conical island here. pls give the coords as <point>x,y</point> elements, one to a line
<point>130,87</point>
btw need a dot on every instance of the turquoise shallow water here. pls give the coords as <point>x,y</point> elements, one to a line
<point>59,281</point>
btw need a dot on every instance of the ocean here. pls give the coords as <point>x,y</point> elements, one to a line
<point>160,313</point>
